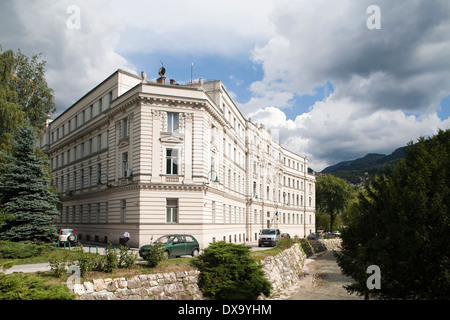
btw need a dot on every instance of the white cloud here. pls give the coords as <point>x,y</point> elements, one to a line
<point>334,130</point>
<point>379,76</point>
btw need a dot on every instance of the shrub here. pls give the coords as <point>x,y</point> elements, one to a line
<point>228,272</point>
<point>126,257</point>
<point>19,250</point>
<point>285,243</point>
<point>307,247</point>
<point>109,261</point>
<point>88,262</point>
<point>155,255</point>
<point>31,287</point>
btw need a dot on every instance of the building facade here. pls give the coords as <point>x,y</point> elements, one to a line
<point>153,158</point>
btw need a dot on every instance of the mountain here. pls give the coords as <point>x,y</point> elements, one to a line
<point>371,163</point>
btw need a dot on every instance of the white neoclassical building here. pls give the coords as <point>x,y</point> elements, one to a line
<point>153,158</point>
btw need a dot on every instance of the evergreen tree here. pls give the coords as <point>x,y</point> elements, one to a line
<point>25,193</point>
<point>401,224</point>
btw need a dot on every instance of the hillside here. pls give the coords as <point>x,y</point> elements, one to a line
<point>371,163</point>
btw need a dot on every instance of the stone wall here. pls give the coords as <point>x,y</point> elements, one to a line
<point>284,271</point>
<point>159,286</point>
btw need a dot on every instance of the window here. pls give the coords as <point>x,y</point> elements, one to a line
<point>123,210</point>
<point>82,179</point>
<point>98,212</point>
<point>171,161</point>
<point>80,219</point>
<point>90,177</point>
<point>100,106</point>
<point>82,150</point>
<point>99,173</point>
<point>124,128</point>
<point>172,210</point>
<point>125,164</point>
<point>172,122</point>
<point>110,99</point>
<point>213,212</point>
<point>91,111</point>
<point>90,146</point>
<point>99,142</point>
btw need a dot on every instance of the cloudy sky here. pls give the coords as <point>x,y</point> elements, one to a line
<point>332,79</point>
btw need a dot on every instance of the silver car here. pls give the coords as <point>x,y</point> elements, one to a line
<point>67,235</point>
<point>269,237</point>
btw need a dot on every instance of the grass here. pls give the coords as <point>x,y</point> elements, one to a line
<point>141,267</point>
<point>42,258</point>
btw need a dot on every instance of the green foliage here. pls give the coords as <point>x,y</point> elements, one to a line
<point>58,265</point>
<point>307,247</point>
<point>18,250</point>
<point>285,243</point>
<point>25,193</point>
<point>228,272</point>
<point>31,287</point>
<point>401,223</point>
<point>155,254</point>
<point>332,196</point>
<point>110,259</point>
<point>25,97</point>
<point>126,257</point>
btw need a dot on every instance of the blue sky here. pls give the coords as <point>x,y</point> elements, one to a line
<point>315,72</point>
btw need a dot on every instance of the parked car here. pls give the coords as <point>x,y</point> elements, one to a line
<point>67,236</point>
<point>174,245</point>
<point>269,237</point>
<point>285,236</point>
<point>313,236</point>
<point>337,233</point>
<point>329,235</point>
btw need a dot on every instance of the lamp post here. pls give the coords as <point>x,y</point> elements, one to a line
<point>215,180</point>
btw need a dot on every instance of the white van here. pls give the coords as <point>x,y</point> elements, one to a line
<point>269,237</point>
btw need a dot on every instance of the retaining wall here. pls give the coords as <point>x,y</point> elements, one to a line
<point>283,271</point>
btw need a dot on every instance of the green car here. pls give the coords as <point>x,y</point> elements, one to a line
<point>174,245</point>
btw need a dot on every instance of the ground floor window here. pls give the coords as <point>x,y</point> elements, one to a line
<point>123,211</point>
<point>172,210</point>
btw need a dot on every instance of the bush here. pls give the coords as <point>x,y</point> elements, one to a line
<point>155,255</point>
<point>126,257</point>
<point>19,250</point>
<point>109,261</point>
<point>285,243</point>
<point>307,247</point>
<point>31,287</point>
<point>228,272</point>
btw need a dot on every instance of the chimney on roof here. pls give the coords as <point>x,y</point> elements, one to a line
<point>161,80</point>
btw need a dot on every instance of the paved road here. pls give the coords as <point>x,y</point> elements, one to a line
<point>93,248</point>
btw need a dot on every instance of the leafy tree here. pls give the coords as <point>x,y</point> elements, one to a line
<point>11,116</point>
<point>228,272</point>
<point>24,95</point>
<point>401,223</point>
<point>25,192</point>
<point>332,196</point>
